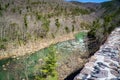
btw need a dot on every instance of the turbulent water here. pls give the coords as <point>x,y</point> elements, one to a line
<point>105,64</point>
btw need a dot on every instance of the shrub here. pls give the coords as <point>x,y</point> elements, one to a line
<point>57,23</point>
<point>2,46</point>
<point>20,11</point>
<point>95,27</point>
<point>67,29</point>
<point>25,21</point>
<point>13,10</point>
<point>53,36</point>
<point>38,16</point>
<point>73,28</point>
<point>1,13</point>
<point>106,24</point>
<point>48,70</point>
<point>1,9</point>
<point>7,5</point>
<point>45,24</point>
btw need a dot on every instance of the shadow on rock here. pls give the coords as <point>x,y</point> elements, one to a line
<point>72,75</point>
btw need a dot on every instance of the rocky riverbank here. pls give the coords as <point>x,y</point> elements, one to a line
<point>105,64</point>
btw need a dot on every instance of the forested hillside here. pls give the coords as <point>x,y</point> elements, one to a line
<point>27,21</point>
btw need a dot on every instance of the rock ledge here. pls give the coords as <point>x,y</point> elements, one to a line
<point>105,63</point>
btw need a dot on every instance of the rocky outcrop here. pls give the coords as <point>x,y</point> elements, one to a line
<point>105,63</point>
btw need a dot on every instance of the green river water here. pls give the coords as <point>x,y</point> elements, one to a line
<point>20,67</point>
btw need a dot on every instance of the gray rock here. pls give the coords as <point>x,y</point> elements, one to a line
<point>101,68</point>
<point>102,74</point>
<point>86,71</point>
<point>115,73</point>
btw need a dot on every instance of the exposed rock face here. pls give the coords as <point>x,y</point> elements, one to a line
<point>105,64</point>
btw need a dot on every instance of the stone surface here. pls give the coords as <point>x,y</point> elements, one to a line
<point>115,73</point>
<point>101,74</point>
<point>105,63</point>
<point>86,71</point>
<point>92,59</point>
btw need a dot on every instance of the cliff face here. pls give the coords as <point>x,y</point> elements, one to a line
<point>108,20</point>
<point>104,64</point>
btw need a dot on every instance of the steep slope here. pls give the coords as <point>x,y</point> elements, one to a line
<point>27,21</point>
<point>105,62</point>
<point>102,27</point>
<point>108,20</point>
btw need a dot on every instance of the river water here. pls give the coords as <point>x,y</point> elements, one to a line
<point>23,67</point>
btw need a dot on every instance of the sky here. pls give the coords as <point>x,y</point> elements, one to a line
<point>97,1</point>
